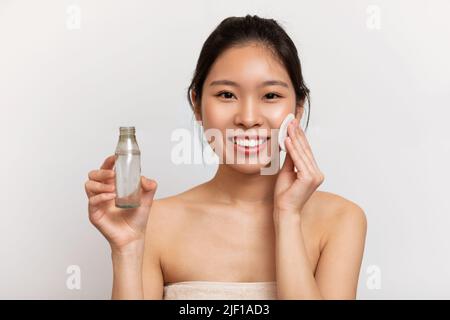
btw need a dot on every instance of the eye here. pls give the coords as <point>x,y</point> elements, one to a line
<point>225,94</point>
<point>272,96</point>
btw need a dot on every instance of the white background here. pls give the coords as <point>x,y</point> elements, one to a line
<point>378,127</point>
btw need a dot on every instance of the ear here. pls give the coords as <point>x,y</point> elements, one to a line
<point>299,110</point>
<point>196,106</point>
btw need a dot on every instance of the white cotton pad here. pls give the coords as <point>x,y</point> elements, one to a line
<point>283,130</point>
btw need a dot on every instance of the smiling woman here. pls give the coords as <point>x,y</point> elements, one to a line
<point>242,234</point>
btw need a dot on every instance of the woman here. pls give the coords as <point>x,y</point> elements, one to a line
<point>243,234</point>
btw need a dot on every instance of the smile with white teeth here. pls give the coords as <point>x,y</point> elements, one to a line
<point>251,143</point>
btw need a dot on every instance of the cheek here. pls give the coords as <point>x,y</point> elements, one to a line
<point>276,114</point>
<point>216,115</point>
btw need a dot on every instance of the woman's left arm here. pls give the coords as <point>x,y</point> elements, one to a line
<point>337,272</point>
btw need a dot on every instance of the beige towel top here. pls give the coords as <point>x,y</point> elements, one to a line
<point>209,290</point>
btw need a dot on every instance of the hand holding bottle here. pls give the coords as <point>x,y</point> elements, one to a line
<point>123,228</point>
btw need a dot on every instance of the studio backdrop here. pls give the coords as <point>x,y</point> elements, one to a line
<point>73,72</point>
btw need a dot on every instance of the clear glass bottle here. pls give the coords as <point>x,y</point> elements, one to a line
<point>128,170</point>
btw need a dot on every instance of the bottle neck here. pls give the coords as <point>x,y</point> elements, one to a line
<point>124,137</point>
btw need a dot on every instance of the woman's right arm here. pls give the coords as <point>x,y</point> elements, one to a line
<point>125,229</point>
<point>138,268</point>
<point>127,273</point>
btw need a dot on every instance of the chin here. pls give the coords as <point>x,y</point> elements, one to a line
<point>247,168</point>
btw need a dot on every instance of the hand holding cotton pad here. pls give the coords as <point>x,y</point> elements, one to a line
<point>283,130</point>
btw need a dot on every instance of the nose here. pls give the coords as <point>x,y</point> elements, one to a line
<point>248,115</point>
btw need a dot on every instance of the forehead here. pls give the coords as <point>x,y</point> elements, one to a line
<point>247,64</point>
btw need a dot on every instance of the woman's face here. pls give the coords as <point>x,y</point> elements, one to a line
<point>246,95</point>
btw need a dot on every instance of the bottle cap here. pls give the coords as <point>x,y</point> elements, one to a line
<point>127,130</point>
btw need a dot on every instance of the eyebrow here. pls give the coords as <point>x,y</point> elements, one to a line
<point>265,83</point>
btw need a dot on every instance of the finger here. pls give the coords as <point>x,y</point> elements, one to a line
<point>148,190</point>
<point>298,147</point>
<point>298,161</point>
<point>100,198</point>
<point>101,175</point>
<point>298,144</point>
<point>301,138</point>
<point>95,187</point>
<point>307,147</point>
<point>288,164</point>
<point>148,184</point>
<point>109,162</point>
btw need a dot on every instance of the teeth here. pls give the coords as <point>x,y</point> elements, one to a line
<point>249,142</point>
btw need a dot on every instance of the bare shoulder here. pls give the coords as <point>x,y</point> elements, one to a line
<point>333,214</point>
<point>167,219</point>
<point>332,204</point>
<point>168,212</point>
<point>175,203</point>
<point>163,211</point>
<point>161,226</point>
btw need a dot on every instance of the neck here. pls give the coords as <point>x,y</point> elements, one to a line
<point>237,188</point>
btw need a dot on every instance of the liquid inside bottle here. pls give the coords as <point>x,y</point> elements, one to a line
<point>128,170</point>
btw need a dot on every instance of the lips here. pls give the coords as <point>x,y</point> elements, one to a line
<point>249,144</point>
